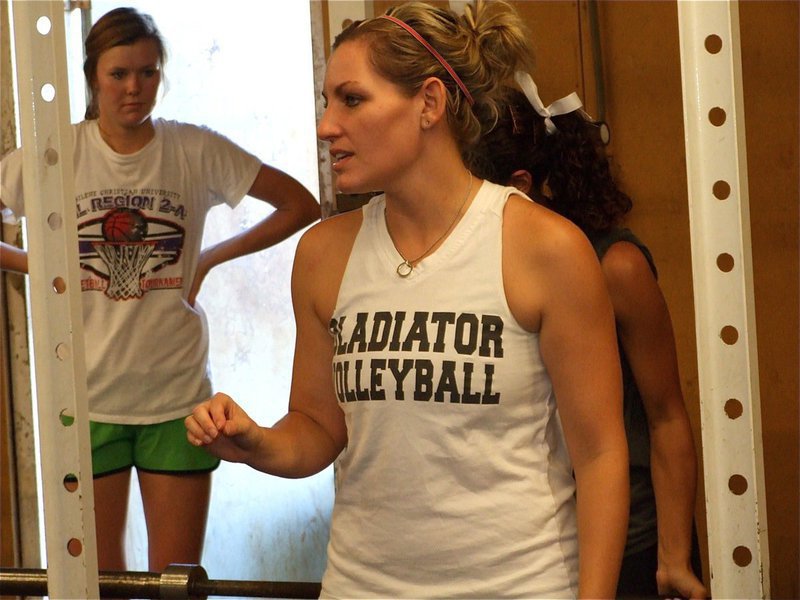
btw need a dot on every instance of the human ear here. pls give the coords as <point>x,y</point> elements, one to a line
<point>434,102</point>
<point>522,180</point>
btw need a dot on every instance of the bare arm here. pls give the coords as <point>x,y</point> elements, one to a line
<point>295,208</point>
<point>579,349</point>
<point>313,432</point>
<point>13,258</point>
<point>565,299</point>
<point>645,331</point>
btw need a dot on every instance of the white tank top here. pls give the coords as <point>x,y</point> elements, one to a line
<point>456,480</point>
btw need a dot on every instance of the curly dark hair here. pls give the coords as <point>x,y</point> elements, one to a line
<point>570,171</point>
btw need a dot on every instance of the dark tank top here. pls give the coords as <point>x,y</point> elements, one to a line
<point>642,529</point>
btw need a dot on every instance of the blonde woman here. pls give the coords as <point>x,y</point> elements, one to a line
<point>454,337</point>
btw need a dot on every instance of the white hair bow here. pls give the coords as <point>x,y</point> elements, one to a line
<point>565,105</point>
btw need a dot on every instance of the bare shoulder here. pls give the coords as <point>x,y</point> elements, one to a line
<point>321,259</point>
<point>545,259</point>
<point>541,235</point>
<point>633,287</point>
<point>330,236</point>
<point>624,262</point>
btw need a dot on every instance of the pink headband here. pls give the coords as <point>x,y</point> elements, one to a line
<point>435,54</point>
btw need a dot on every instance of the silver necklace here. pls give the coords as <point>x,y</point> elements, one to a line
<point>405,268</point>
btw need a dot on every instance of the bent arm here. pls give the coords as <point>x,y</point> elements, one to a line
<point>295,208</point>
<point>312,434</point>
<point>296,446</point>
<point>315,426</point>
<point>646,335</point>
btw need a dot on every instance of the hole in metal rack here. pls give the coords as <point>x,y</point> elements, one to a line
<point>742,556</point>
<point>59,285</point>
<point>51,157</point>
<point>54,221</point>
<point>729,335</point>
<point>733,408</point>
<point>717,116</point>
<point>721,190</point>
<point>71,482</point>
<point>66,418</point>
<point>737,484</point>
<point>713,43</point>
<point>725,262</point>
<point>74,547</point>
<point>43,25</point>
<point>62,351</point>
<point>48,92</point>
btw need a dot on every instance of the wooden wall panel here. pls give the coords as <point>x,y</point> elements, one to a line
<point>9,551</point>
<point>8,539</point>
<point>772,101</point>
<point>643,100</point>
<point>555,25</point>
<point>381,6</point>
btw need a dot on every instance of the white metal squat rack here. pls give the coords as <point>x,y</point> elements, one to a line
<point>56,315</point>
<point>722,272</point>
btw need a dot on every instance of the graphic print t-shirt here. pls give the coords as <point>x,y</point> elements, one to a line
<point>140,220</point>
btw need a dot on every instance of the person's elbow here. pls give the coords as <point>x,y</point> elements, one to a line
<point>310,210</point>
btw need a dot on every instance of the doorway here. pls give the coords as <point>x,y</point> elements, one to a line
<point>244,69</point>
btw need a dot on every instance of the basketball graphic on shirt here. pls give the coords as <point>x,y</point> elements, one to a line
<point>124,225</point>
<point>125,246</point>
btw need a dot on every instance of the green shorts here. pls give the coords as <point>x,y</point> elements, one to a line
<point>160,447</point>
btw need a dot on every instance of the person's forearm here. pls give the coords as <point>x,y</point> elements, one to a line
<point>603,504</point>
<point>273,229</point>
<point>13,258</point>
<point>673,467</point>
<point>294,447</point>
<point>295,208</point>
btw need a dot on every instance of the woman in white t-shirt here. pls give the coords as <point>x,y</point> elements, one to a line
<point>143,187</point>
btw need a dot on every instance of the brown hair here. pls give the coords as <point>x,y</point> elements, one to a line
<point>570,163</point>
<point>484,47</point>
<point>119,27</point>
